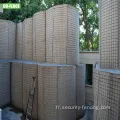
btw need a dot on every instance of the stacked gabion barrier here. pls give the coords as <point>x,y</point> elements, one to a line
<point>80,89</point>
<point>39,37</point>
<point>62,35</point>
<point>19,41</point>
<point>29,71</point>
<point>107,94</point>
<point>109,34</point>
<point>49,36</point>
<point>7,39</point>
<point>107,77</point>
<point>56,89</point>
<point>17,84</point>
<point>4,82</point>
<point>27,39</point>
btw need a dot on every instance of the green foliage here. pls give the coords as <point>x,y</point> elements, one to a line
<point>28,8</point>
<point>89,36</point>
<point>88,9</point>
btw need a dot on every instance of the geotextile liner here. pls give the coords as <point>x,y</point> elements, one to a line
<point>19,41</point>
<point>109,34</point>
<point>62,35</point>
<point>7,39</point>
<point>106,93</point>
<point>27,39</point>
<point>56,87</point>
<point>4,83</point>
<point>80,89</point>
<point>17,84</point>
<point>39,26</point>
<point>29,71</point>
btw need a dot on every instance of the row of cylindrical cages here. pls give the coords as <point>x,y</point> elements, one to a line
<point>106,94</point>
<point>57,86</point>
<point>49,36</point>
<point>55,37</point>
<point>7,39</point>
<point>109,34</point>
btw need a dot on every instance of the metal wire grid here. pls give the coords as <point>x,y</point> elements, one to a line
<point>106,93</point>
<point>7,39</point>
<point>62,34</point>
<point>4,83</point>
<point>39,42</point>
<point>17,84</point>
<point>109,34</point>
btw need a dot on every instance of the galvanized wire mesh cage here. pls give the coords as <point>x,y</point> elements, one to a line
<point>56,87</point>
<point>62,35</point>
<point>39,42</point>
<point>4,83</point>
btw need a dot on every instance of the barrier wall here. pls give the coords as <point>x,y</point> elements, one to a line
<point>29,71</point>
<point>39,23</point>
<point>4,83</point>
<point>80,89</point>
<point>109,34</point>
<point>19,41</point>
<point>56,87</point>
<point>17,84</point>
<point>106,93</point>
<point>51,36</point>
<point>62,35</point>
<point>7,39</point>
<point>27,39</point>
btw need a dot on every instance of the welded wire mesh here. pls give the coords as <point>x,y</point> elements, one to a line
<point>27,39</point>
<point>4,83</point>
<point>19,41</point>
<point>39,23</point>
<point>7,39</point>
<point>80,89</point>
<point>56,87</point>
<point>62,35</point>
<point>17,84</point>
<point>29,71</point>
<point>107,93</point>
<point>109,33</point>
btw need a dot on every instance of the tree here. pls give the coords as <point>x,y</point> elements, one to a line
<point>88,9</point>
<point>89,36</point>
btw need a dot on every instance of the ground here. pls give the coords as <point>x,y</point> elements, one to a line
<point>10,113</point>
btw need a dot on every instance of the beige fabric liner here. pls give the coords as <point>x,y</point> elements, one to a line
<point>7,39</point>
<point>17,84</point>
<point>62,35</point>
<point>29,71</point>
<point>39,36</point>
<point>109,34</point>
<point>27,39</point>
<point>80,89</point>
<point>106,93</point>
<point>19,41</point>
<point>56,86</point>
<point>4,83</point>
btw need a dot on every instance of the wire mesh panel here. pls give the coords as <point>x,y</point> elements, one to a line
<point>107,94</point>
<point>56,87</point>
<point>39,37</point>
<point>4,83</point>
<point>62,35</point>
<point>80,89</point>
<point>7,39</point>
<point>29,71</point>
<point>27,39</point>
<point>11,40</point>
<point>17,84</point>
<point>109,33</point>
<point>19,41</point>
